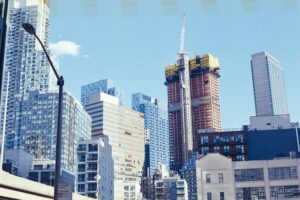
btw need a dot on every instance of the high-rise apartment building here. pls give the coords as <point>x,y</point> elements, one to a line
<point>26,62</point>
<point>193,86</point>
<point>105,86</point>
<point>157,131</point>
<point>268,84</point>
<point>125,131</point>
<point>95,176</point>
<point>36,126</point>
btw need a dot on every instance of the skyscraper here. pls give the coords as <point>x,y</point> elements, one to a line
<point>26,63</point>
<point>193,89</point>
<point>125,131</point>
<point>268,85</point>
<point>36,125</point>
<point>157,130</point>
<point>205,93</point>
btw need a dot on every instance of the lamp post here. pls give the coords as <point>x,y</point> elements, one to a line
<point>3,26</point>
<point>60,82</point>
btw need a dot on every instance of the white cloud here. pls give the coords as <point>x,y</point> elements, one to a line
<point>65,48</point>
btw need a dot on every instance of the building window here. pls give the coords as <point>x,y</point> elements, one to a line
<point>81,147</point>
<point>240,149</point>
<point>81,177</point>
<point>242,175</point>
<point>33,176</point>
<point>92,176</point>
<point>81,188</point>
<point>92,187</point>
<point>38,167</point>
<point>250,193</point>
<point>240,138</point>
<point>92,166</point>
<point>92,157</point>
<point>204,150</point>
<point>216,149</point>
<point>284,192</point>
<point>81,157</point>
<point>225,138</point>
<point>226,149</point>
<point>221,178</point>
<point>204,139</point>
<point>93,147</point>
<point>222,196</point>
<point>216,139</point>
<point>209,196</point>
<point>81,167</point>
<point>281,173</point>
<point>240,157</point>
<point>208,178</point>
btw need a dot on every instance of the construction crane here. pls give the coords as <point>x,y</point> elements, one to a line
<point>182,35</point>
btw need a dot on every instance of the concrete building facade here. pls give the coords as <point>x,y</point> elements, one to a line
<point>125,131</point>
<point>220,178</point>
<point>95,175</point>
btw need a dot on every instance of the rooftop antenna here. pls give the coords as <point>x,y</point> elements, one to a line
<point>181,50</point>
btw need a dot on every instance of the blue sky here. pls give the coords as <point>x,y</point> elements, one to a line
<point>131,41</point>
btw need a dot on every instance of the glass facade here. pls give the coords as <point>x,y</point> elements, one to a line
<point>105,86</point>
<point>26,63</point>
<point>242,175</point>
<point>249,193</point>
<point>157,130</point>
<point>36,126</point>
<point>281,173</point>
<point>284,192</point>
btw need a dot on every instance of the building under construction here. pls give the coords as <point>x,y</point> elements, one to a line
<point>193,99</point>
<point>193,102</point>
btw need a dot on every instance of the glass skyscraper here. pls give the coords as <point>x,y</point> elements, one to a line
<point>32,95</point>
<point>268,84</point>
<point>36,126</point>
<point>27,66</point>
<point>157,130</point>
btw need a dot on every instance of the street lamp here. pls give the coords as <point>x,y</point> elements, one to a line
<point>60,82</point>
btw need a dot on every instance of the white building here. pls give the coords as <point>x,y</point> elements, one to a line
<point>95,176</point>
<point>270,122</point>
<point>219,178</point>
<point>268,84</point>
<point>125,131</point>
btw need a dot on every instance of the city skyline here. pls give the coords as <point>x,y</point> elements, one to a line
<point>204,113</point>
<point>133,35</point>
